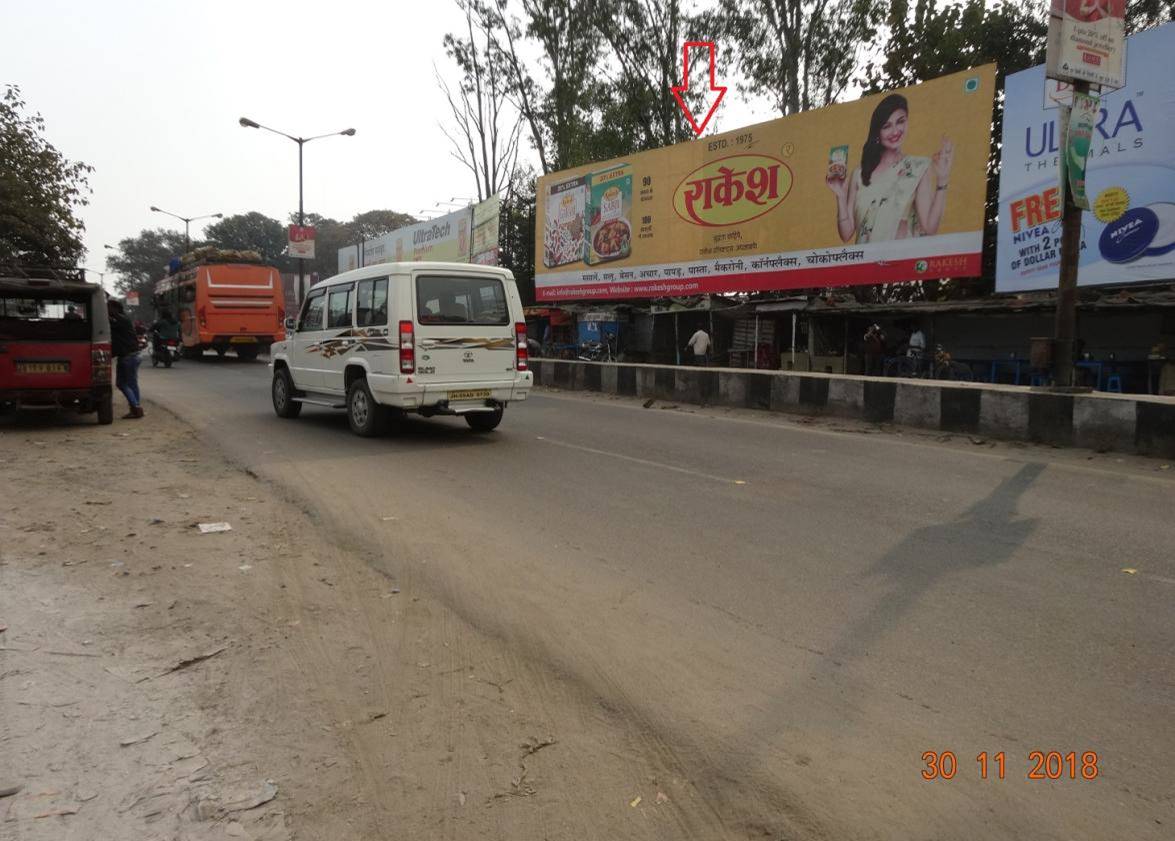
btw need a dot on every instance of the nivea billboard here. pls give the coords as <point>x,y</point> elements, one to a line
<point>1128,235</point>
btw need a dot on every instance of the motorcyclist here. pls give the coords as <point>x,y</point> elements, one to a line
<point>165,327</point>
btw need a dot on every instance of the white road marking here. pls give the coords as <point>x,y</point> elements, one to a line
<point>648,463</point>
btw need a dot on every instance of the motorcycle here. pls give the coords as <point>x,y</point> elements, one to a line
<point>163,350</point>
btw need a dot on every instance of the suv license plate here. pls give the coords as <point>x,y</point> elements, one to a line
<point>470,394</point>
<point>42,367</point>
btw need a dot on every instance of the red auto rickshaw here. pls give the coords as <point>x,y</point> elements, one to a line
<point>54,343</point>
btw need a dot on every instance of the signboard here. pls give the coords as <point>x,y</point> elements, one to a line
<point>301,242</point>
<point>132,299</point>
<point>781,205</point>
<point>1087,41</point>
<point>486,218</point>
<point>444,239</point>
<point>1081,118</point>
<point>1129,234</point>
<point>348,258</point>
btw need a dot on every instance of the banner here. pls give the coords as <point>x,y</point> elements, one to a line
<point>1087,41</point>
<point>301,242</point>
<point>444,239</point>
<point>1081,118</point>
<point>1129,235</point>
<point>888,188</point>
<point>486,219</point>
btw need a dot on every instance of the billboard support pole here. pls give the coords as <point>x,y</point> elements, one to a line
<point>1066,322</point>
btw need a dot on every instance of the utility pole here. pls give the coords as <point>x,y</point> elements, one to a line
<point>1065,329</point>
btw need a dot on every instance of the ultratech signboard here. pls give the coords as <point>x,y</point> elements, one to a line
<point>1129,233</point>
<point>888,188</point>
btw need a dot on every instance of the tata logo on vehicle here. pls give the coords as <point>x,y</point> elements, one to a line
<point>467,356</point>
<point>732,190</point>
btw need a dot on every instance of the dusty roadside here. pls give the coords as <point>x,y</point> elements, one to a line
<point>266,682</point>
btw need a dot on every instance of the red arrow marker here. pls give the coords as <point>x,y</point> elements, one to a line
<point>678,90</point>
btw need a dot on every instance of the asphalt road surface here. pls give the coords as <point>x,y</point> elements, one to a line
<point>791,614</point>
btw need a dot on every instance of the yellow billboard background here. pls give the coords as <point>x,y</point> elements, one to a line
<point>781,201</point>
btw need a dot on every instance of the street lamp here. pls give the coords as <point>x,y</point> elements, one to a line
<point>301,141</point>
<point>187,220</point>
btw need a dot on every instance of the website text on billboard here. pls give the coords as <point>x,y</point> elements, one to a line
<point>886,189</point>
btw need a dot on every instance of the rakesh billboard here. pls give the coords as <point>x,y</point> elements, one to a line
<point>1128,235</point>
<point>885,189</point>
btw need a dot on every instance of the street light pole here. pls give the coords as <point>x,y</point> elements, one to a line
<point>187,220</point>
<point>245,122</point>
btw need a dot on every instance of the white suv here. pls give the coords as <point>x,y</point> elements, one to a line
<point>429,338</point>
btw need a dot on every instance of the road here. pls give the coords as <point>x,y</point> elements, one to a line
<point>786,614</point>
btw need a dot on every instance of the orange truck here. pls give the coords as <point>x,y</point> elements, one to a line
<point>222,306</point>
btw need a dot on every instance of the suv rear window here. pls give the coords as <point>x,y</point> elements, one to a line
<point>461,300</point>
<point>24,316</point>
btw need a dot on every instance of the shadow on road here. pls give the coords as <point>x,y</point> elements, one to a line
<point>985,535</point>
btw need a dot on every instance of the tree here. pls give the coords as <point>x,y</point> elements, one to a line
<point>646,37</point>
<point>559,117</point>
<point>516,233</point>
<point>1143,14</point>
<point>374,223</point>
<point>41,191</point>
<point>486,136</point>
<point>332,235</point>
<point>251,231</point>
<point>800,53</point>
<point>139,261</point>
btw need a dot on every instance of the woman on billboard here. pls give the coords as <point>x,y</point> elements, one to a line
<point>891,195</point>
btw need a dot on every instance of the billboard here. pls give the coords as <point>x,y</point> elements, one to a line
<point>486,220</point>
<point>444,239</point>
<point>780,205</point>
<point>301,242</point>
<point>1129,234</point>
<point>1087,41</point>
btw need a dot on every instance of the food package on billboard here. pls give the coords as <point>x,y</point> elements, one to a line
<point>563,226</point>
<point>610,232</point>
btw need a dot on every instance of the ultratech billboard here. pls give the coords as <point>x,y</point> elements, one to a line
<point>888,188</point>
<point>1128,236</point>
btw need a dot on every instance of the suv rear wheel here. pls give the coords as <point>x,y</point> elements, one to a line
<point>367,418</point>
<point>284,404</point>
<point>106,408</point>
<point>484,421</point>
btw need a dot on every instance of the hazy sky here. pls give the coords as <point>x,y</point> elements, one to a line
<point>149,94</point>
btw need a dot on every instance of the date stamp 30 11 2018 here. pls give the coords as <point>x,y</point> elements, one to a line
<point>1041,765</point>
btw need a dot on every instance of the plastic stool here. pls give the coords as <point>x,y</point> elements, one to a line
<point>1114,383</point>
<point>1038,380</point>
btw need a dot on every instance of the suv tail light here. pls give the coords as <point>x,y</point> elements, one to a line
<point>100,363</point>
<point>407,348</point>
<point>521,351</point>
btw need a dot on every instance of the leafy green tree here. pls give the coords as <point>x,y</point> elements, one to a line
<point>558,115</point>
<point>251,231</point>
<point>139,261</point>
<point>374,223</point>
<point>800,54</point>
<point>1143,14</point>
<point>40,191</point>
